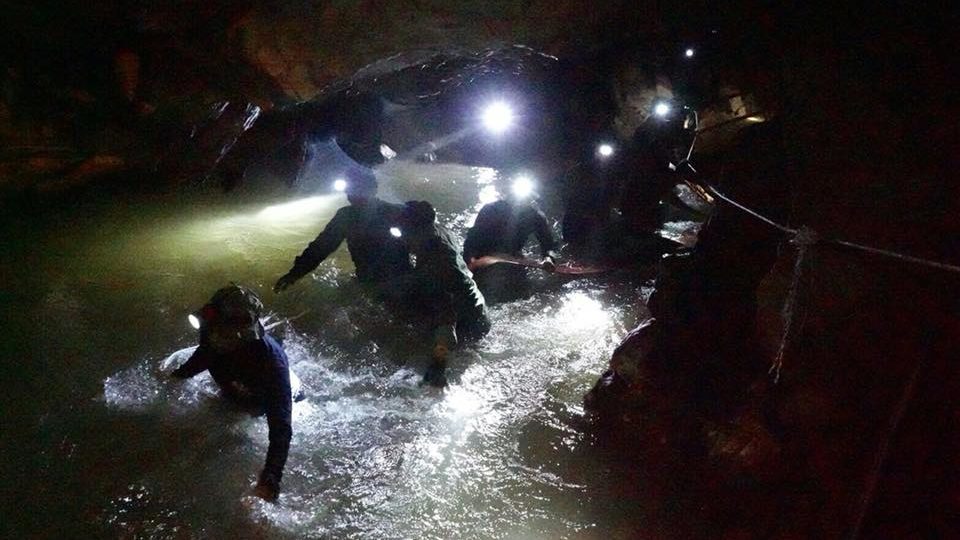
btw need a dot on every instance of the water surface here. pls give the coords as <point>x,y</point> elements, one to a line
<point>99,441</point>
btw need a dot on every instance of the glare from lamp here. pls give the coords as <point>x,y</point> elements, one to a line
<point>488,194</point>
<point>522,187</point>
<point>194,321</point>
<point>661,109</point>
<point>340,184</point>
<point>498,117</point>
<point>395,232</point>
<point>605,150</point>
<point>294,210</point>
<point>688,53</point>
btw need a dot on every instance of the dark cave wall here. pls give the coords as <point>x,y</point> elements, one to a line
<point>88,88</point>
<point>863,109</point>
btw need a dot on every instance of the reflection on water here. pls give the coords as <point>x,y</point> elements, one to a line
<point>497,454</point>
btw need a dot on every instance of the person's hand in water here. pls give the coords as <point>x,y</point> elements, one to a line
<point>268,488</point>
<point>435,374</point>
<point>284,282</point>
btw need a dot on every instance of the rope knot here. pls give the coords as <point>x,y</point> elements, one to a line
<point>805,236</point>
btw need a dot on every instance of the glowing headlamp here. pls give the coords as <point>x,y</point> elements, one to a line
<point>340,184</point>
<point>395,232</point>
<point>194,321</point>
<point>688,53</point>
<point>498,117</point>
<point>605,150</point>
<point>661,109</point>
<point>522,186</point>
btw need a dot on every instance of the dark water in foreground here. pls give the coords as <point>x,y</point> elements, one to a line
<point>98,441</point>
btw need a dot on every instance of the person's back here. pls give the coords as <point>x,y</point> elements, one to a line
<point>503,227</point>
<point>444,283</point>
<point>442,272</point>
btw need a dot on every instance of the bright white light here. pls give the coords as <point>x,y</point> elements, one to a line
<point>498,117</point>
<point>293,210</point>
<point>522,186</point>
<point>340,184</point>
<point>580,312</point>
<point>387,152</point>
<point>488,194</point>
<point>194,321</point>
<point>485,175</point>
<point>688,53</point>
<point>605,150</point>
<point>395,232</point>
<point>661,109</point>
<point>460,402</point>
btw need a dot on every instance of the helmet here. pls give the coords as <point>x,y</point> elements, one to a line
<point>233,313</point>
<point>417,214</point>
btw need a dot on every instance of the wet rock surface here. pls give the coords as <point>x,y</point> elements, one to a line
<point>862,389</point>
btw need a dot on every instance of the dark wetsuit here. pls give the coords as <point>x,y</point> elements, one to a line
<point>502,227</point>
<point>443,280</point>
<point>377,256</point>
<point>258,374</point>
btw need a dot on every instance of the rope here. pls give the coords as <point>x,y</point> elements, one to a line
<point>877,251</point>
<point>804,238</point>
<point>901,256</point>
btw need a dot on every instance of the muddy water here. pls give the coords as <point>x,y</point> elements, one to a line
<point>99,441</point>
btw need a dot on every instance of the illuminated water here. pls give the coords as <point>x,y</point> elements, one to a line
<point>98,441</point>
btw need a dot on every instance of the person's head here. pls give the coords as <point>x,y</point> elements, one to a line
<point>231,318</point>
<point>361,185</point>
<point>416,220</point>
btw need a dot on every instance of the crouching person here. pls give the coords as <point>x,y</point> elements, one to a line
<point>444,284</point>
<point>250,368</point>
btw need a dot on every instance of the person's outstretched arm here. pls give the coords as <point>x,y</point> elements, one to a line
<point>322,246</point>
<point>279,407</point>
<point>199,361</point>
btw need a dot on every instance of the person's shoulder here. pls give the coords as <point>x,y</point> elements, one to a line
<point>345,211</point>
<point>530,208</point>
<point>388,207</point>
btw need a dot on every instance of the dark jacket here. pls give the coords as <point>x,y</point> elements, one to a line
<point>502,227</point>
<point>376,254</point>
<point>442,276</point>
<point>260,367</point>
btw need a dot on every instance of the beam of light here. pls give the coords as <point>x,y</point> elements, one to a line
<point>661,109</point>
<point>294,210</point>
<point>395,232</point>
<point>688,53</point>
<point>340,185</point>
<point>605,150</point>
<point>498,117</point>
<point>755,119</point>
<point>194,321</point>
<point>522,186</point>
